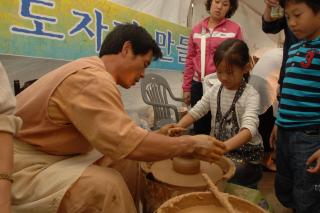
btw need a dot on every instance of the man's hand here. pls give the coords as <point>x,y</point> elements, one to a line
<point>208,148</point>
<point>315,157</point>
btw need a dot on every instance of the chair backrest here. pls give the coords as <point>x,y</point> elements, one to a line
<point>17,87</point>
<point>155,90</point>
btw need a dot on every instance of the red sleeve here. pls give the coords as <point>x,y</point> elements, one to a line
<point>189,67</point>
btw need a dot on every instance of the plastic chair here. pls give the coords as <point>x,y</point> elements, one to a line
<point>17,87</point>
<point>155,90</point>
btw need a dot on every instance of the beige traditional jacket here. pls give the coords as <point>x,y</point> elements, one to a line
<point>72,116</point>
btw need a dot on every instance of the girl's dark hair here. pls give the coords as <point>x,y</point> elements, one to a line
<point>232,9</point>
<point>142,42</point>
<point>235,52</point>
<point>313,4</point>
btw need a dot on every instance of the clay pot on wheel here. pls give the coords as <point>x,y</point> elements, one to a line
<point>163,180</point>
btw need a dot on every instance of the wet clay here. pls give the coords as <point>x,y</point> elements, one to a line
<point>205,209</point>
<point>186,165</point>
<point>163,171</point>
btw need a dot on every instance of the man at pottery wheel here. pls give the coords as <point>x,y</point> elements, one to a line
<point>78,148</point>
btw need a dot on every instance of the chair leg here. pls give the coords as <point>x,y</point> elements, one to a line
<point>16,86</point>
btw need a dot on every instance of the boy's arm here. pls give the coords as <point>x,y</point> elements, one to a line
<point>273,27</point>
<point>267,10</point>
<point>269,24</point>
<point>315,157</point>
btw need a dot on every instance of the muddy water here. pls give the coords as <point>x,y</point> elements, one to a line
<point>206,209</point>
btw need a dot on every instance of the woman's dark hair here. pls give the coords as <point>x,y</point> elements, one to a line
<point>313,4</point>
<point>140,39</point>
<point>232,9</point>
<point>235,52</point>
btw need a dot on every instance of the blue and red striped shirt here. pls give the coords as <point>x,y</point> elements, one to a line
<point>300,96</point>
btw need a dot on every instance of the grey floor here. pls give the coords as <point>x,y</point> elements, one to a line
<point>266,186</point>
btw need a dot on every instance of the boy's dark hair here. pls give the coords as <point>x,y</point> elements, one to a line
<point>313,4</point>
<point>232,9</point>
<point>141,41</point>
<point>235,52</point>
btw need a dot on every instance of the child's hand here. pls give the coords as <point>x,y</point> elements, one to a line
<point>171,130</point>
<point>314,157</point>
<point>176,131</point>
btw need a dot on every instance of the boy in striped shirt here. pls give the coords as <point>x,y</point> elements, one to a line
<point>297,180</point>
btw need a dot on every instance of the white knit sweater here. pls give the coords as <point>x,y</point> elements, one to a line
<point>247,108</point>
<point>8,121</point>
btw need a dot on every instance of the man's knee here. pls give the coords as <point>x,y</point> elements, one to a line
<point>99,187</point>
<point>104,179</point>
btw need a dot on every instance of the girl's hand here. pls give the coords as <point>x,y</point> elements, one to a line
<point>177,131</point>
<point>315,157</point>
<point>171,130</point>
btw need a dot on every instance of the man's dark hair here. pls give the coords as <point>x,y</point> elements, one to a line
<point>313,4</point>
<point>141,41</point>
<point>232,9</point>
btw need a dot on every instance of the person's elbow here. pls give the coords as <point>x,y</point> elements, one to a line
<point>249,132</point>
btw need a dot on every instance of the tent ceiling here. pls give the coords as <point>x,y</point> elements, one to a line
<point>248,16</point>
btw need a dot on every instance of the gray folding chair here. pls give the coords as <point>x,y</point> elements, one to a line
<point>155,90</point>
<point>17,87</point>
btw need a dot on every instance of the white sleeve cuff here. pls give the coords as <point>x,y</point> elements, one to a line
<point>10,123</point>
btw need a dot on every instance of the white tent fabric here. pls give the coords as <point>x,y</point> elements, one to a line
<point>180,12</point>
<point>175,11</point>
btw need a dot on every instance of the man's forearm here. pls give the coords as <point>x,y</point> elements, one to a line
<point>156,147</point>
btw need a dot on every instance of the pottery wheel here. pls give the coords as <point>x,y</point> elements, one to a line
<point>163,171</point>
